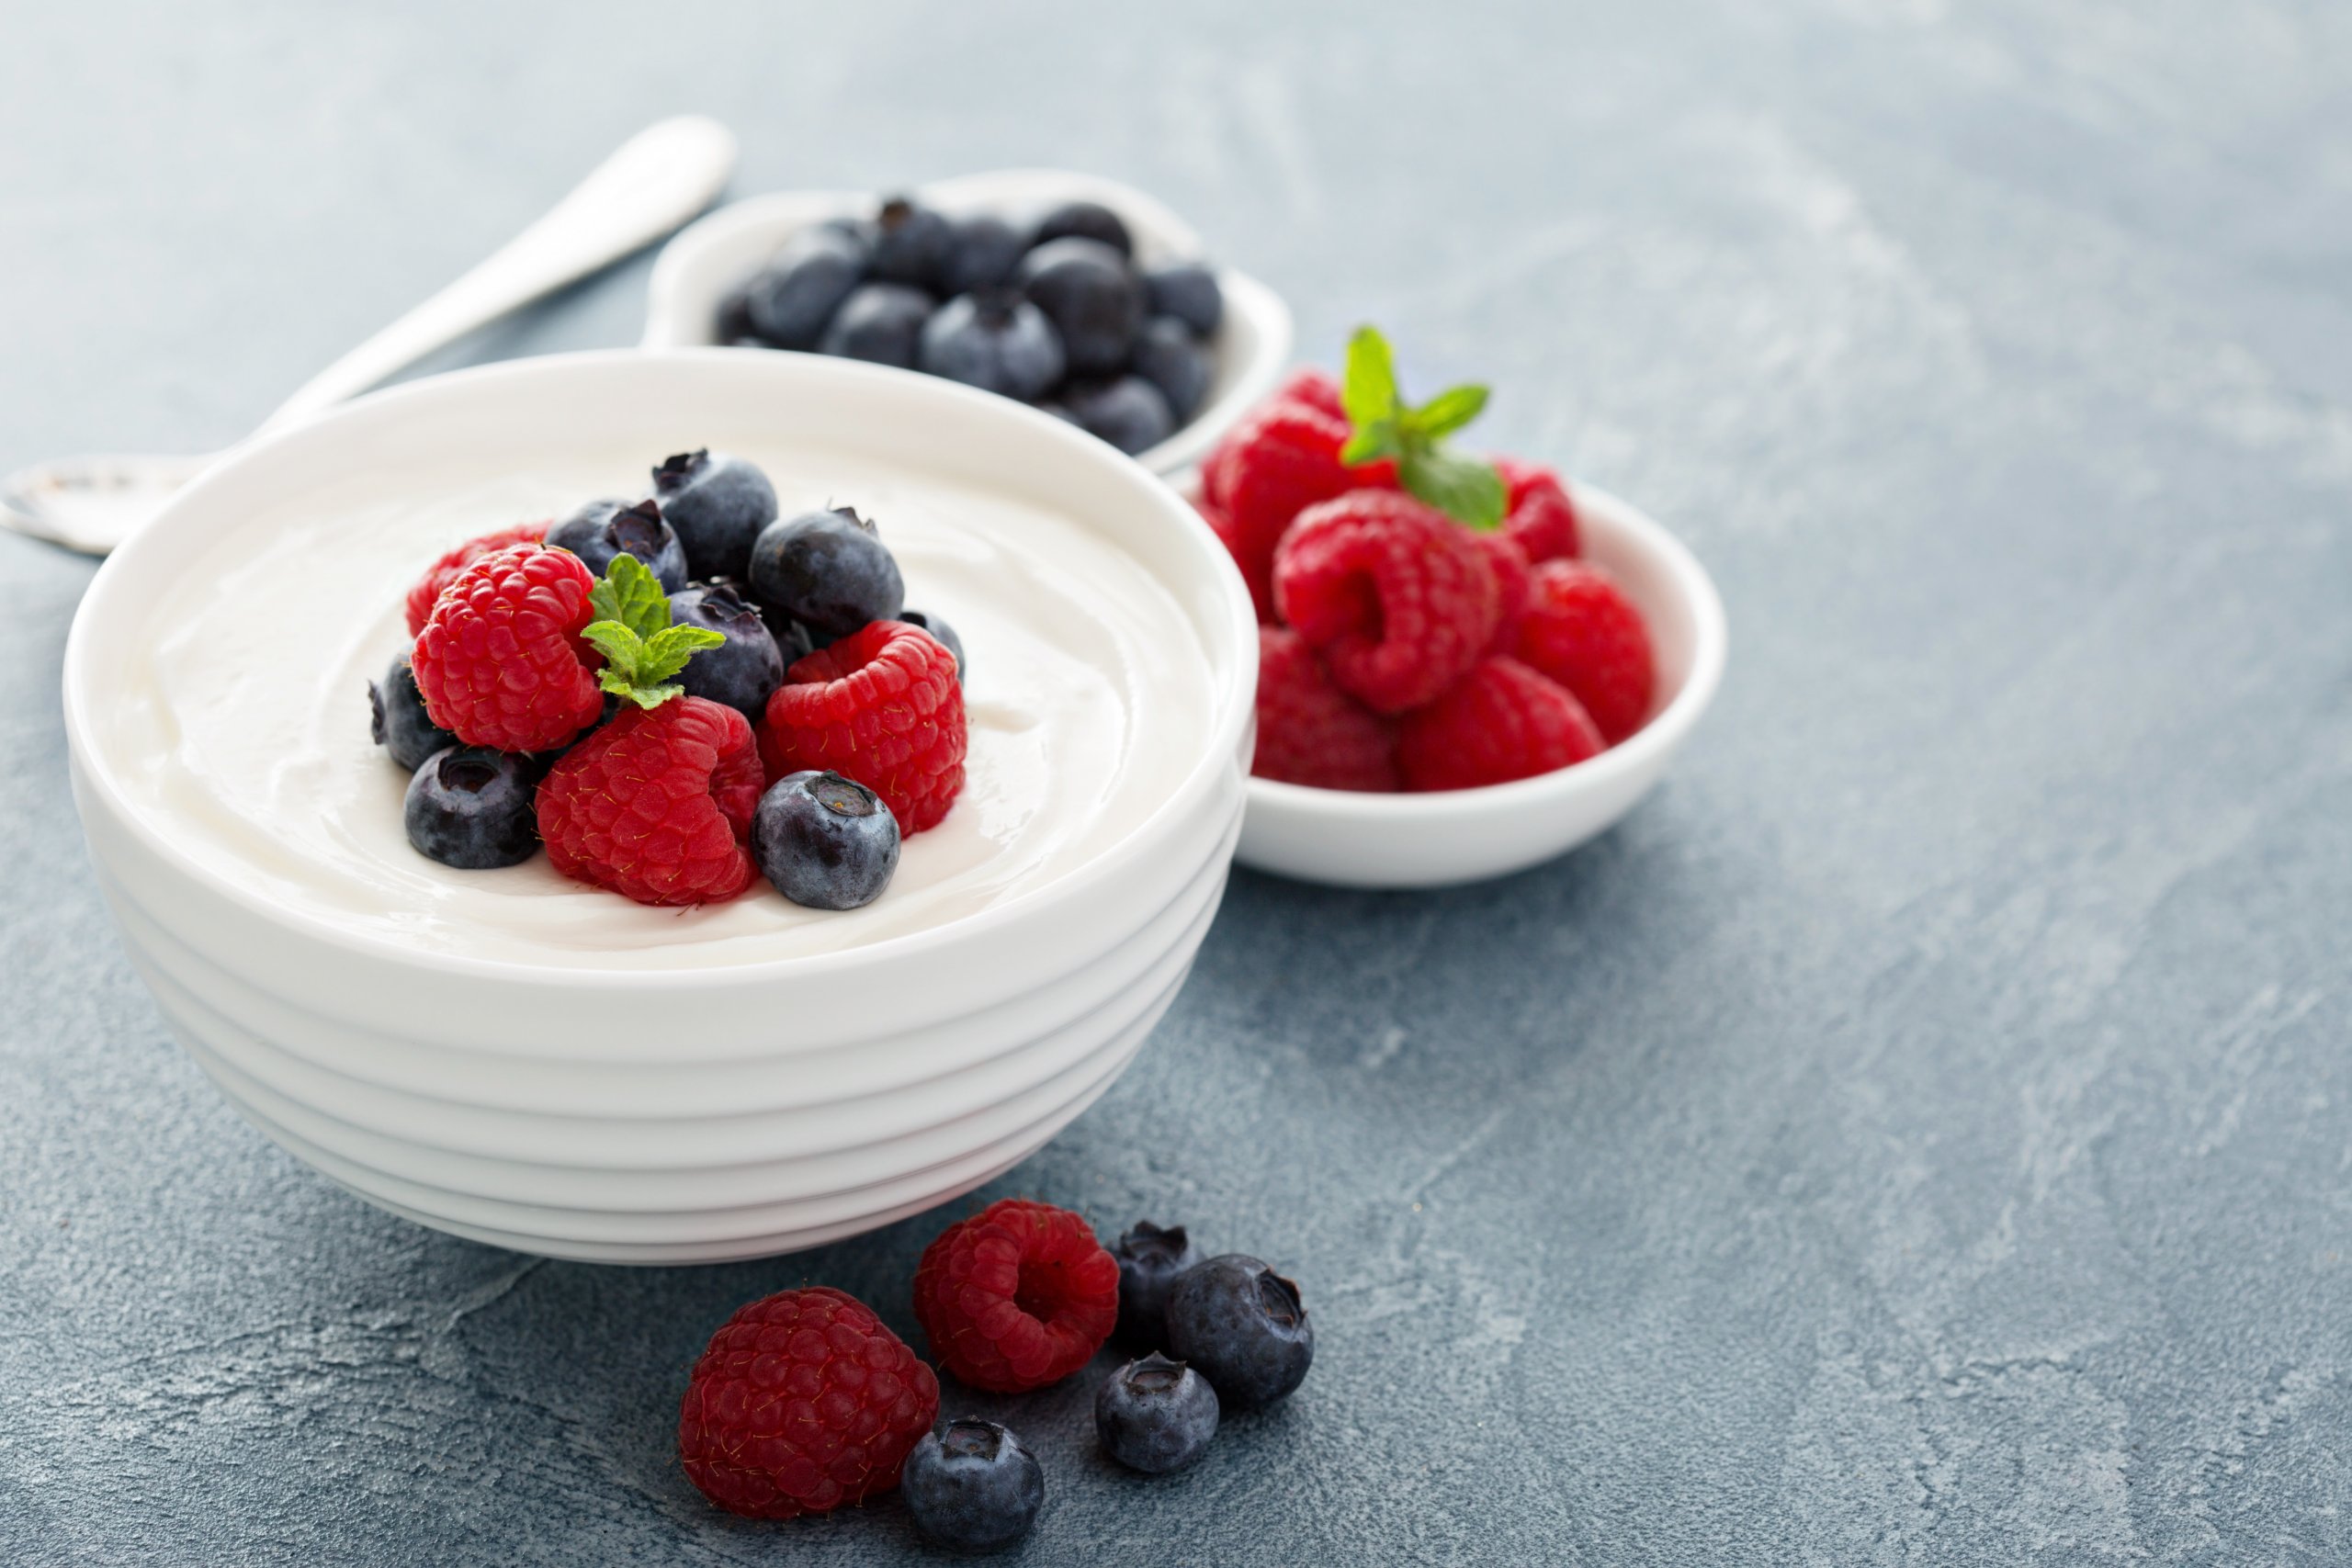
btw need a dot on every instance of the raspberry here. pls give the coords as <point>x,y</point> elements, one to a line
<point>1315,388</point>
<point>444,572</point>
<point>1018,1296</point>
<point>1538,513</point>
<point>803,1401</point>
<point>1280,461</point>
<point>1256,567</point>
<point>1397,598</point>
<point>655,804</point>
<point>1583,633</point>
<point>1501,721</point>
<point>499,661</point>
<point>1510,569</point>
<point>1309,731</point>
<point>880,707</point>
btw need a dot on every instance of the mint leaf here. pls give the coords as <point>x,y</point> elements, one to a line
<point>669,650</point>
<point>1447,412</point>
<point>1371,444</point>
<point>1368,389</point>
<point>1467,489</point>
<point>621,647</point>
<point>632,595</point>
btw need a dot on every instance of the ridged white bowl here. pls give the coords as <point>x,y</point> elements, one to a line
<point>673,1116</point>
<point>696,269</point>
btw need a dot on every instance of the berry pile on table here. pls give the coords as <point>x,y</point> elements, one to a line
<point>1427,621</point>
<point>803,1401</point>
<point>1056,312</point>
<point>677,695</point>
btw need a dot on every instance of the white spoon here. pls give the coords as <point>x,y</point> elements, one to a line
<point>658,179</point>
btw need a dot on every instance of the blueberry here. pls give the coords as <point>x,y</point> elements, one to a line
<point>734,325</point>
<point>401,726</point>
<point>1242,1326</point>
<point>794,641</point>
<point>742,670</point>
<point>826,841</point>
<point>942,631</point>
<point>983,254</point>
<point>972,1486</point>
<point>471,807</point>
<point>879,322</point>
<point>1170,358</point>
<point>1155,1414</point>
<point>994,340</point>
<point>1093,297</point>
<point>603,529</point>
<point>1085,220</point>
<point>1127,412</point>
<point>1149,1260</point>
<point>1188,291</point>
<point>717,505</point>
<point>789,301</point>
<point>912,244</point>
<point>828,571</point>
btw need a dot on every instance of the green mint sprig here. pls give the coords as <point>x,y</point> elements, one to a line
<point>632,630</point>
<point>1467,489</point>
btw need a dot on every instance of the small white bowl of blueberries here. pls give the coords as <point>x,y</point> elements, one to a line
<point>1076,294</point>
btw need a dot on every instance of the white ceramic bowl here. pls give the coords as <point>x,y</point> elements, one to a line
<point>1432,841</point>
<point>712,255</point>
<point>671,1116</point>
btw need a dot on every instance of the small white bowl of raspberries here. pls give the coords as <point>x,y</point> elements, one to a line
<point>677,904</point>
<point>1468,666</point>
<point>1077,294</point>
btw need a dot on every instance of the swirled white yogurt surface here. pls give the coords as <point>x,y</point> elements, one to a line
<point>244,730</point>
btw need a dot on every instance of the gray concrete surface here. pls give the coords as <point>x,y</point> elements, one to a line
<point>1918,1136</point>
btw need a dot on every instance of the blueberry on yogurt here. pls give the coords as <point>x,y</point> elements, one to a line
<point>401,726</point>
<point>826,841</point>
<point>828,571</point>
<point>473,809</point>
<point>740,673</point>
<point>716,505</point>
<point>603,529</point>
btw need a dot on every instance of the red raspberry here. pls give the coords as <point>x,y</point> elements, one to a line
<point>1280,461</point>
<point>1309,731</point>
<point>1315,388</point>
<point>1584,633</point>
<point>1397,598</point>
<point>1256,567</point>
<point>880,707</point>
<point>1510,569</point>
<point>1538,513</point>
<point>499,661</point>
<point>445,570</point>
<point>1018,1296</point>
<point>1501,721</point>
<point>656,804</point>
<point>802,1402</point>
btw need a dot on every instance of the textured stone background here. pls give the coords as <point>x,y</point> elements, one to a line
<point>1918,1136</point>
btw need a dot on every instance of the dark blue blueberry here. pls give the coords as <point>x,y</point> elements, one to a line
<point>603,529</point>
<point>942,631</point>
<point>983,253</point>
<point>1149,1260</point>
<point>1242,1326</point>
<point>401,726</point>
<point>1156,1415</point>
<point>1085,220</point>
<point>734,326</point>
<point>1129,412</point>
<point>794,641</point>
<point>912,244</point>
<point>826,841</point>
<point>1093,297</point>
<point>717,505</point>
<point>471,807</point>
<point>828,571</point>
<point>790,299</point>
<point>741,671</point>
<point>996,341</point>
<point>1170,358</point>
<point>1188,291</point>
<point>972,1486</point>
<point>879,322</point>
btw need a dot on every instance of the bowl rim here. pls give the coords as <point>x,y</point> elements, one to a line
<point>668,324</point>
<point>1233,702</point>
<point>1644,748</point>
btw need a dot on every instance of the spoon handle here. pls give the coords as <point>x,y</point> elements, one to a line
<point>654,181</point>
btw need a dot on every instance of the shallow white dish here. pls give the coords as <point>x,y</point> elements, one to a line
<point>711,255</point>
<point>566,1112</point>
<point>1454,836</point>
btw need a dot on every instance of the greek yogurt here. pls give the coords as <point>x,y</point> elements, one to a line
<point>244,730</point>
